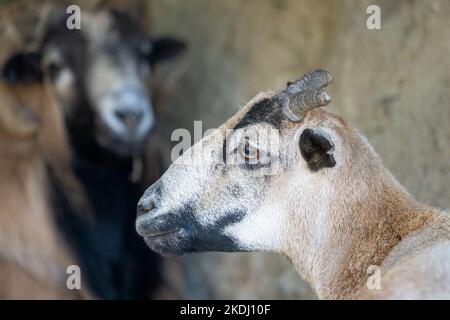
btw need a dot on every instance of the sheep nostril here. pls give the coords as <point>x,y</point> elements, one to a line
<point>146,207</point>
<point>130,118</point>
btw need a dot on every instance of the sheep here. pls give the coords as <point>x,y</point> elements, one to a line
<point>32,261</point>
<point>312,189</point>
<point>98,77</point>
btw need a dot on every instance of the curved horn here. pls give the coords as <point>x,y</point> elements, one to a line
<point>15,119</point>
<point>306,94</point>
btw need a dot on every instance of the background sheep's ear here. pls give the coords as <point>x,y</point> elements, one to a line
<point>23,67</point>
<point>165,48</point>
<point>317,149</point>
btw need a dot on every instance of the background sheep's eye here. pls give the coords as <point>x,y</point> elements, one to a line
<point>249,152</point>
<point>54,69</point>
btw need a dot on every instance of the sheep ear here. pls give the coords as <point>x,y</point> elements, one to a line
<point>165,48</point>
<point>317,149</point>
<point>23,67</point>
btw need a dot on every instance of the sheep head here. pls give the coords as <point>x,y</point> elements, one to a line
<point>99,75</point>
<point>236,189</point>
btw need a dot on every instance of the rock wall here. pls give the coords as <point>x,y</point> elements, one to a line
<point>393,84</point>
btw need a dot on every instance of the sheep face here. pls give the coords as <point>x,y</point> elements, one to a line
<point>100,76</point>
<point>238,188</point>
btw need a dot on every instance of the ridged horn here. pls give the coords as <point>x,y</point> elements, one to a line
<point>306,94</point>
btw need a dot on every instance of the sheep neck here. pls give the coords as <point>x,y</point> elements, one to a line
<point>357,236</point>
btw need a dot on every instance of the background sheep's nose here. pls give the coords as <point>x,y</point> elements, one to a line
<point>130,117</point>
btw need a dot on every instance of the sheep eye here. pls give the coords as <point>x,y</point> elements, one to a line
<point>248,152</point>
<point>54,69</point>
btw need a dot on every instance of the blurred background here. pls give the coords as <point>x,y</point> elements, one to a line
<point>392,84</point>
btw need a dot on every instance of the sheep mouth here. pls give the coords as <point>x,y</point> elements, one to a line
<point>167,243</point>
<point>121,145</point>
<point>161,234</point>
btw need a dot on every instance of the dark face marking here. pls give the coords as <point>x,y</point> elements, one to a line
<point>267,110</point>
<point>131,32</point>
<point>186,234</point>
<point>316,150</point>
